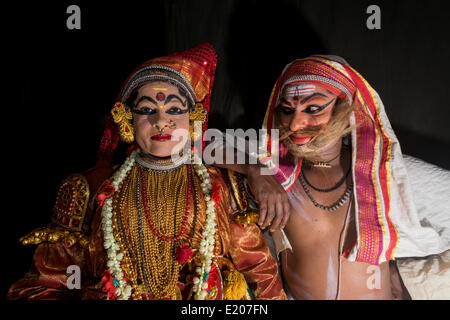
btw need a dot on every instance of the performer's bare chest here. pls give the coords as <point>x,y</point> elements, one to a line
<point>312,228</point>
<point>317,238</point>
<point>315,269</point>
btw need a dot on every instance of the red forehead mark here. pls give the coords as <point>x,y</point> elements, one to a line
<point>160,96</point>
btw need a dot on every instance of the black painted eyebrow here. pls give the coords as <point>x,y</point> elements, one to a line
<point>146,98</point>
<point>322,106</point>
<point>305,99</point>
<point>173,96</point>
<point>283,100</point>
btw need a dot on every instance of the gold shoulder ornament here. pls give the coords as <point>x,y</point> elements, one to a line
<point>54,234</point>
<point>71,203</point>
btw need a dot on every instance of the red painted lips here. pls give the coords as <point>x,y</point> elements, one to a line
<point>161,137</point>
<point>300,139</point>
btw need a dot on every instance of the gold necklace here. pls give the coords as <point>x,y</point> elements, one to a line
<point>154,272</point>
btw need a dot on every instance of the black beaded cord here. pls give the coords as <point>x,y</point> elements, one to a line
<point>339,203</point>
<point>340,183</point>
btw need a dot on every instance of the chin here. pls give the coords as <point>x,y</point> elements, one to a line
<point>297,150</point>
<point>157,151</point>
<point>164,151</point>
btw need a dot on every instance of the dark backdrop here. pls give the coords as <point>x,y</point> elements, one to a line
<point>62,83</point>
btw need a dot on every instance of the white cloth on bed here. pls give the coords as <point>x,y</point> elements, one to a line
<point>426,275</point>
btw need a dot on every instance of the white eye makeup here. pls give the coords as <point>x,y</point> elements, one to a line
<point>287,108</point>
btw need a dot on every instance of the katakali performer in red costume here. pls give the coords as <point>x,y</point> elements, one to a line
<point>156,227</point>
<point>352,203</point>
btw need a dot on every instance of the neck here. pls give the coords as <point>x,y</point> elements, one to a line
<point>330,154</point>
<point>152,158</point>
<point>161,163</point>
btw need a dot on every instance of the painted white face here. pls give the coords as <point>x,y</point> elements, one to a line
<point>303,110</point>
<point>159,110</point>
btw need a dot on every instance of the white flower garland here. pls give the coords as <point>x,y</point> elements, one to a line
<point>207,244</point>
<point>123,290</point>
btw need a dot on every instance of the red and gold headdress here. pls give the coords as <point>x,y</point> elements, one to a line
<point>374,146</point>
<point>192,70</point>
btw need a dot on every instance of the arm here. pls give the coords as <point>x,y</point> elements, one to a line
<point>252,258</point>
<point>62,243</point>
<point>274,208</point>
<point>47,278</point>
<point>246,246</point>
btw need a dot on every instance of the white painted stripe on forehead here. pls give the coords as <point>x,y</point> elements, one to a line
<point>299,90</point>
<point>301,86</point>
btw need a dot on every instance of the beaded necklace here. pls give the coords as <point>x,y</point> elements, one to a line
<point>153,179</point>
<point>142,236</point>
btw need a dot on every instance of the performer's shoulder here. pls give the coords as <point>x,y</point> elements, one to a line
<point>73,209</point>
<point>243,207</point>
<point>216,173</point>
<point>217,177</point>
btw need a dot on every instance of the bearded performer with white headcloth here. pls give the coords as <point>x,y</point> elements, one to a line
<point>158,226</point>
<point>357,202</point>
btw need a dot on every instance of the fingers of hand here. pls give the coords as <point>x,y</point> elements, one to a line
<point>278,215</point>
<point>262,212</point>
<point>270,213</point>
<point>287,213</point>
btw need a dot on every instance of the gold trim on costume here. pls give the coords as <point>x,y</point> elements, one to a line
<point>238,189</point>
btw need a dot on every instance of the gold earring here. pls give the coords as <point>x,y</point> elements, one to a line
<point>195,129</point>
<point>197,117</point>
<point>198,113</point>
<point>122,116</point>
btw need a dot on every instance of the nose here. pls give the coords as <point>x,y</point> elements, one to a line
<point>299,122</point>
<point>161,121</point>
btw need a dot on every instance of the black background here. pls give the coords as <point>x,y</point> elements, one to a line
<point>60,84</point>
